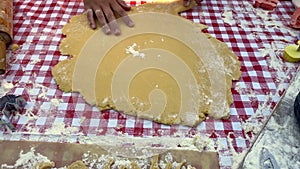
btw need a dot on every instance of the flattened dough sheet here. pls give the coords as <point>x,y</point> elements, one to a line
<point>164,69</point>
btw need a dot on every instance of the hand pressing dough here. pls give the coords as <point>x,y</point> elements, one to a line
<point>164,69</point>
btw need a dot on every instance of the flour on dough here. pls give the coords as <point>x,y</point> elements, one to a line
<point>183,75</point>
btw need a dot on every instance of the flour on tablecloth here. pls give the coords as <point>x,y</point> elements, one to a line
<point>37,60</point>
<point>244,89</point>
<point>27,160</point>
<point>5,87</point>
<point>278,142</point>
<point>56,102</point>
<point>261,20</point>
<point>228,17</point>
<point>59,128</point>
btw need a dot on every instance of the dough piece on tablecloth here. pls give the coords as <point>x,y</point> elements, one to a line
<point>164,69</point>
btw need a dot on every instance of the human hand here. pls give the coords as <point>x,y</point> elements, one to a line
<point>105,12</point>
<point>188,2</point>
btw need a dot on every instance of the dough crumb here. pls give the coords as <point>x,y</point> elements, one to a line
<point>45,165</point>
<point>56,102</point>
<point>77,165</point>
<point>14,47</point>
<point>131,50</point>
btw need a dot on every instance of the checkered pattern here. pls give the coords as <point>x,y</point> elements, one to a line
<point>37,30</point>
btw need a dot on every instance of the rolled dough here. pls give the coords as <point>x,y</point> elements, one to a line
<point>164,69</point>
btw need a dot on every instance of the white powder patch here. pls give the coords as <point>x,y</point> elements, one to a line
<point>60,128</point>
<point>237,157</point>
<point>265,21</point>
<point>244,89</point>
<point>189,118</point>
<point>56,102</point>
<point>280,137</point>
<point>135,53</point>
<point>5,87</point>
<point>278,141</point>
<point>273,53</point>
<point>27,160</point>
<point>228,17</point>
<point>275,66</point>
<point>282,71</point>
<point>82,119</point>
<point>204,143</point>
<point>37,60</point>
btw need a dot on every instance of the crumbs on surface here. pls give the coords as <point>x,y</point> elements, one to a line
<point>135,53</point>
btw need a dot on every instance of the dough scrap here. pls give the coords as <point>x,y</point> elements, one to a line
<point>150,87</point>
<point>77,165</point>
<point>44,165</point>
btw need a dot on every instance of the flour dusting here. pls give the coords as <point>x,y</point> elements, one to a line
<point>5,87</point>
<point>135,53</point>
<point>27,160</point>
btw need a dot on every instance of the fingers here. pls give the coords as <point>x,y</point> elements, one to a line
<point>90,17</point>
<point>122,13</point>
<point>126,19</point>
<point>102,21</point>
<point>111,20</point>
<point>105,11</point>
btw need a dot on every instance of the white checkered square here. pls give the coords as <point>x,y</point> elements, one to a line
<point>201,126</point>
<point>232,112</point>
<point>236,126</point>
<point>130,123</point>
<point>19,91</point>
<point>63,106</point>
<point>165,126</point>
<point>249,111</point>
<point>23,120</point>
<point>256,85</point>
<point>247,63</point>
<point>58,120</point>
<point>226,161</point>
<point>261,97</point>
<point>245,98</point>
<point>80,107</point>
<point>240,142</point>
<point>147,124</point>
<point>41,121</point>
<point>94,122</point>
<point>39,79</point>
<point>219,126</point>
<point>46,106</point>
<point>252,73</point>
<point>76,122</point>
<point>29,67</point>
<point>272,85</point>
<point>112,123</point>
<point>24,79</point>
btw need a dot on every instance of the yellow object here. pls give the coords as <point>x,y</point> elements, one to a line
<point>77,165</point>
<point>292,53</point>
<point>14,47</point>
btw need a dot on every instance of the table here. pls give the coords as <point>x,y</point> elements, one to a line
<point>256,36</point>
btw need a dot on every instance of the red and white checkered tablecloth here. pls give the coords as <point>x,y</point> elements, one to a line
<point>256,36</point>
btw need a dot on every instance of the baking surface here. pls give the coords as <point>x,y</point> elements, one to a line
<point>63,154</point>
<point>256,36</point>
